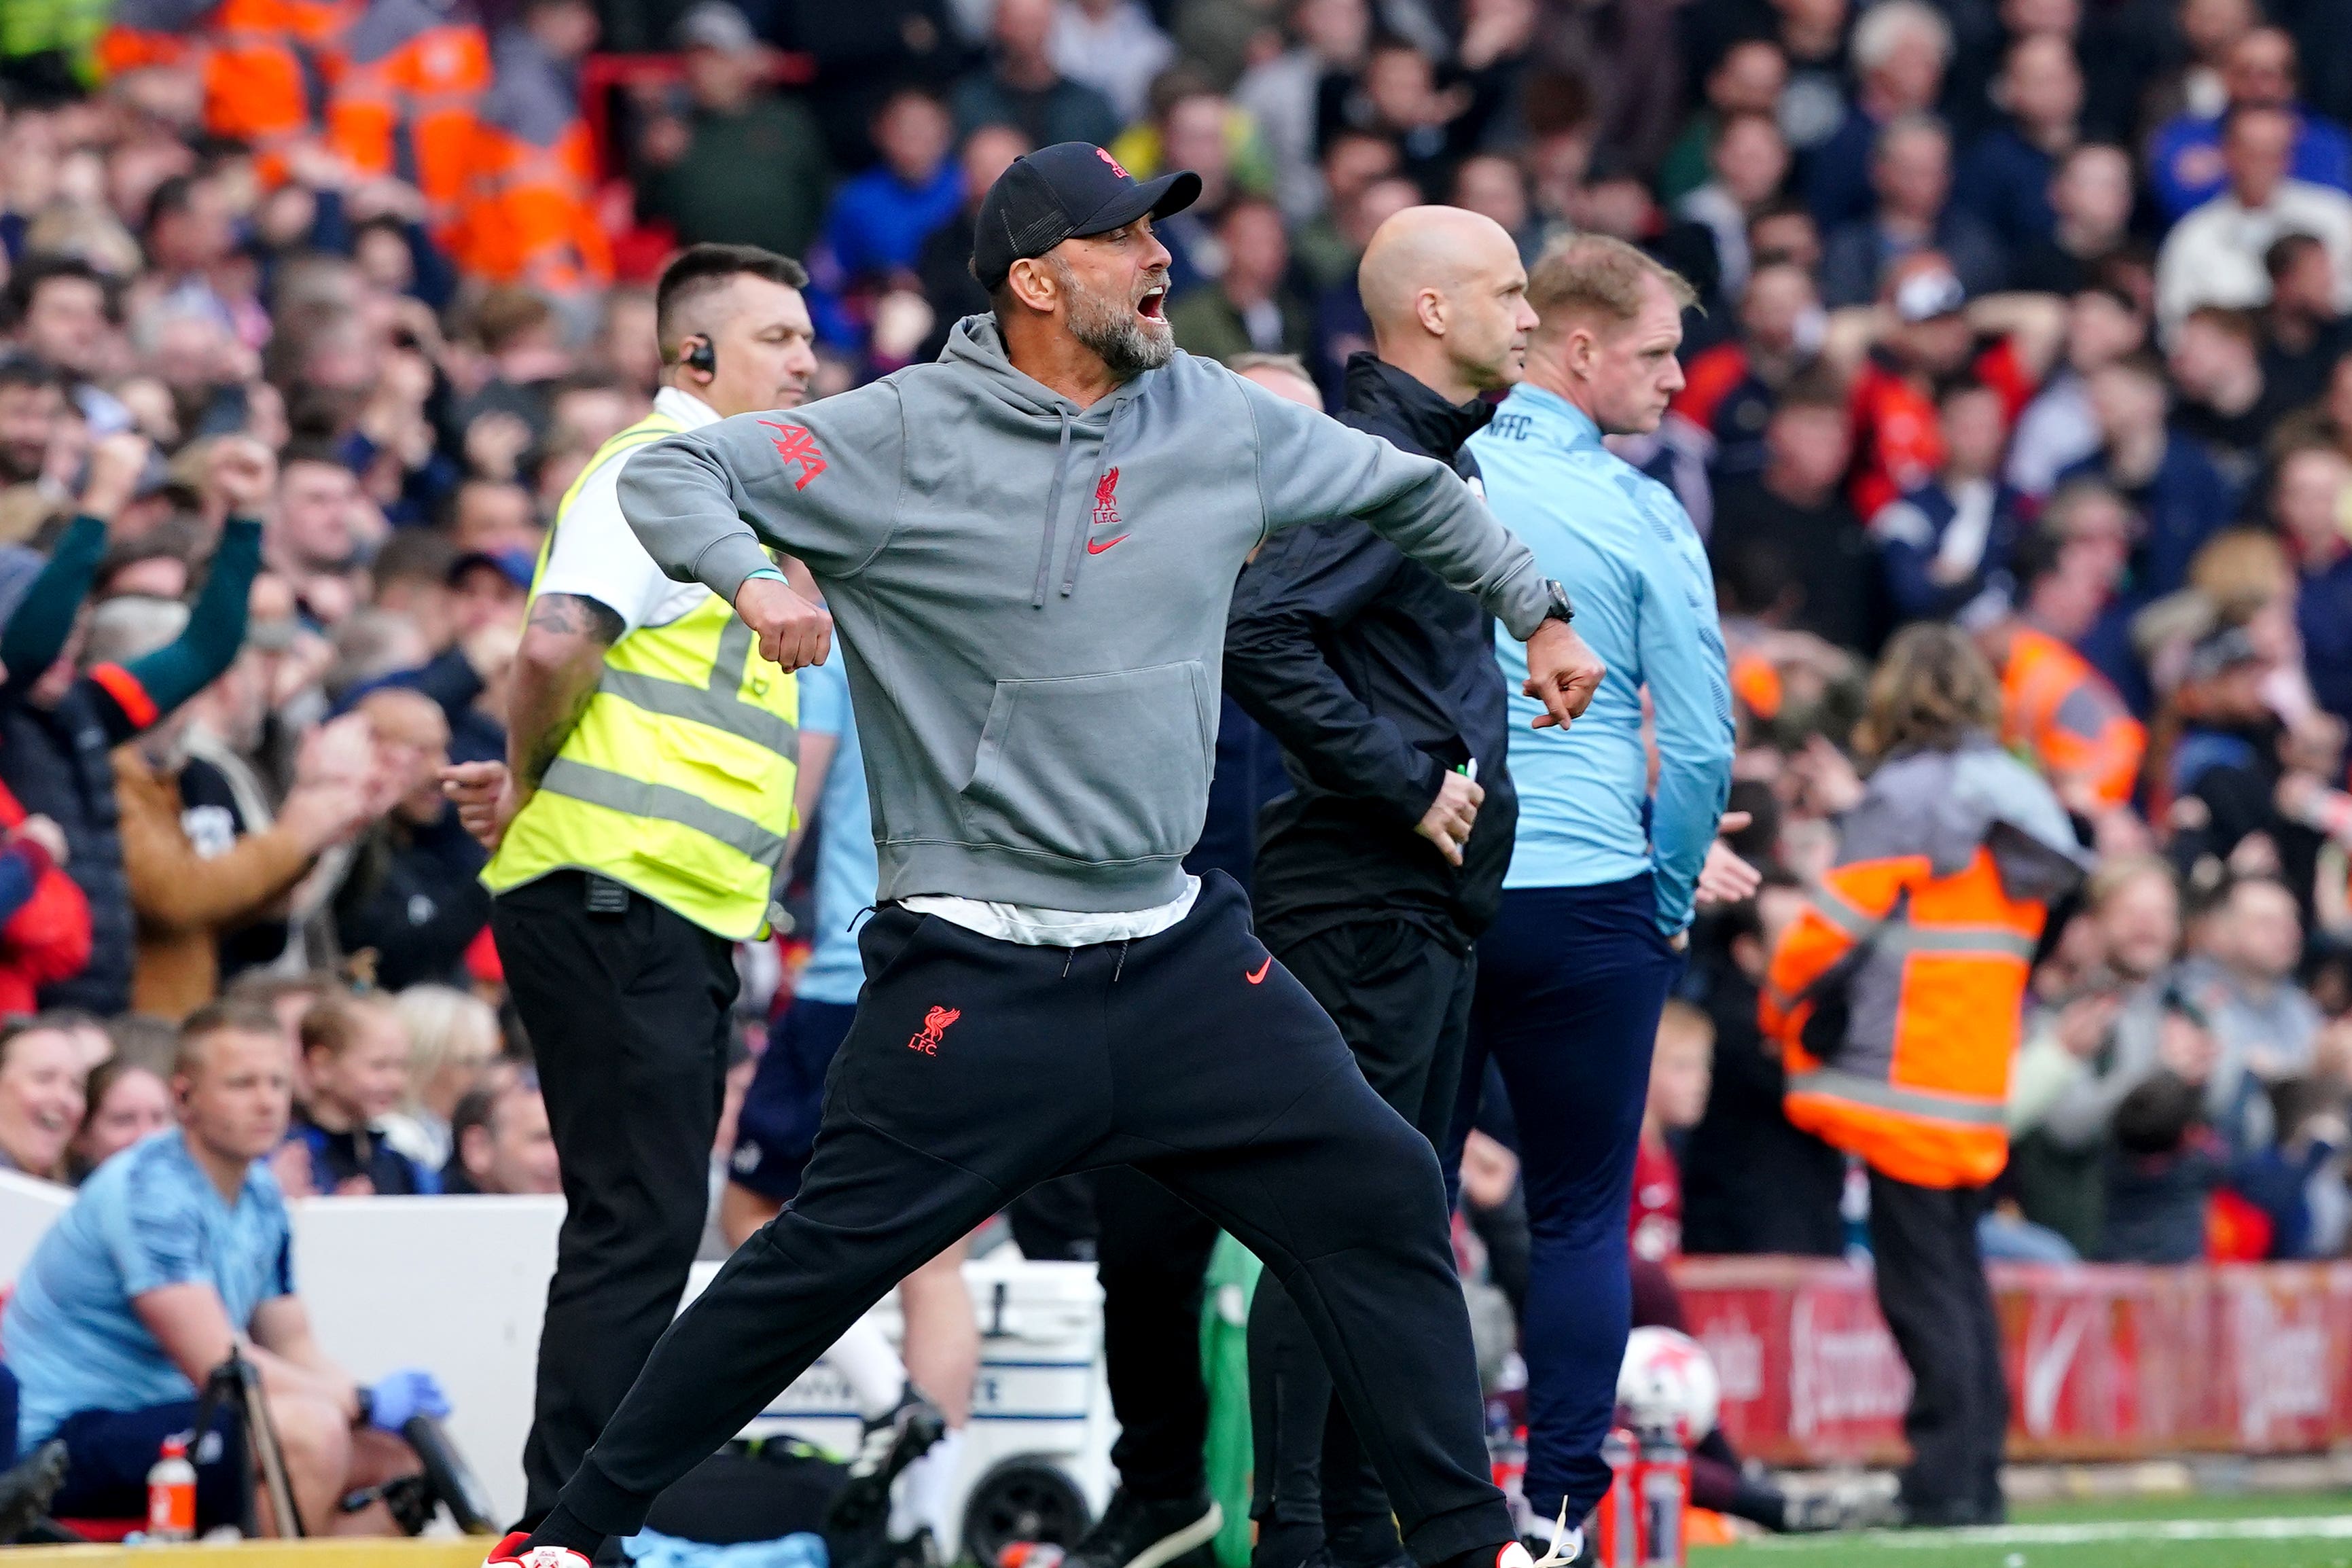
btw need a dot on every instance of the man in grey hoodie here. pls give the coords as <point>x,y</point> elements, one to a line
<point>1030,546</point>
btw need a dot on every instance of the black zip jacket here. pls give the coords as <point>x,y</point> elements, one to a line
<point>1377,680</point>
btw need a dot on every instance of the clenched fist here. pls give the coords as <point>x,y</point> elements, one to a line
<point>793,633</point>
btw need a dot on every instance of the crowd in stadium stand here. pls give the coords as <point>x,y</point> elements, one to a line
<point>2029,315</point>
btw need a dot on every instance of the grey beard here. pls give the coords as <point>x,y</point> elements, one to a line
<point>1118,336</point>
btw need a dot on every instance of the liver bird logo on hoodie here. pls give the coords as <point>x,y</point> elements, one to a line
<point>1105,513</point>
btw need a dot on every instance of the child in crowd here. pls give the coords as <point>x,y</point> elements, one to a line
<point>355,1053</point>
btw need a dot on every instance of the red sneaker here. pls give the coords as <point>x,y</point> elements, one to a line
<point>510,1553</point>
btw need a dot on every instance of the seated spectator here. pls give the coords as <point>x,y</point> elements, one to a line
<point>2165,1167</point>
<point>943,271</point>
<point>2178,495</point>
<point>126,1099</point>
<point>2265,1026</point>
<point>2305,331</point>
<point>453,1039</point>
<point>1933,332</point>
<point>32,405</point>
<point>2259,70</point>
<point>1023,87</point>
<point>174,1256</point>
<point>1946,544</point>
<point>58,309</point>
<point>1113,47</point>
<point>1793,510</point>
<point>185,896</point>
<point>413,894</point>
<point>2225,402</point>
<point>1730,390</point>
<point>43,1068</point>
<point>1900,50</point>
<point>2059,428</point>
<point>1747,79</point>
<point>1250,309</point>
<point>2215,255</point>
<point>1433,124</point>
<point>746,166</point>
<point>2298,1181</point>
<point>874,229</point>
<point>2056,708</point>
<point>2006,177</point>
<point>1911,176</point>
<point>1747,162</point>
<point>2092,1047</point>
<point>1285,96</point>
<point>2311,502</point>
<point>503,1144</point>
<point>2221,772</point>
<point>2090,202</point>
<point>1495,185</point>
<point>355,1059</point>
<point>58,732</point>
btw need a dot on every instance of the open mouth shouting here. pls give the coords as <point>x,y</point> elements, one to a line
<point>1154,297</point>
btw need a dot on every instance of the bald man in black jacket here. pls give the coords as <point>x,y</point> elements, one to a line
<point>1376,875</point>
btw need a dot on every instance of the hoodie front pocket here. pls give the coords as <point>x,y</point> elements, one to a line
<point>1095,767</point>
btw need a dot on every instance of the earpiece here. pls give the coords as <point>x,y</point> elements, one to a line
<point>703,356</point>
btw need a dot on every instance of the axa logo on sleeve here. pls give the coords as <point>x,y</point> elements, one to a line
<point>797,448</point>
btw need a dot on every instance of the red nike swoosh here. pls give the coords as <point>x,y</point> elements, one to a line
<point>1254,979</point>
<point>1093,548</point>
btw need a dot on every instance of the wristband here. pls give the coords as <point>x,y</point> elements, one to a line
<point>762,571</point>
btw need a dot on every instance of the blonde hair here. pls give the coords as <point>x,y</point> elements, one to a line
<point>1595,276</point>
<point>442,1021</point>
<point>1930,690</point>
<point>2241,570</point>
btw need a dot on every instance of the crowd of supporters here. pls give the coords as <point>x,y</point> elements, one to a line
<point>2029,316</point>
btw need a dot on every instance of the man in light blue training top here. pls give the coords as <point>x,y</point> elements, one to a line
<point>1575,969</point>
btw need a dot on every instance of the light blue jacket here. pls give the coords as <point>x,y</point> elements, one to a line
<point>1644,599</point>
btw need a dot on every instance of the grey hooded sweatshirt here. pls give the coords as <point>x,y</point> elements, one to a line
<point>1032,596</point>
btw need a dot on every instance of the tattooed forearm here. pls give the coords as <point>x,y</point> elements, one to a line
<point>574,614</point>
<point>562,658</point>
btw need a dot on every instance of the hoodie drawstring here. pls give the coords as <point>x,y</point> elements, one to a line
<point>1052,516</point>
<point>1070,569</point>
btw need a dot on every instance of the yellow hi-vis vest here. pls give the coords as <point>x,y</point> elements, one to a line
<point>677,780</point>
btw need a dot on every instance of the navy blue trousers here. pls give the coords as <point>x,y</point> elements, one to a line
<point>1570,983</point>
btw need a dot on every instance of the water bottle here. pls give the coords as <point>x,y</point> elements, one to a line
<point>171,1494</point>
<point>1662,1483</point>
<point>1617,1524</point>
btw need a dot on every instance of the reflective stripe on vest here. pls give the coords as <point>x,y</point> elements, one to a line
<point>677,780</point>
<point>1880,1095</point>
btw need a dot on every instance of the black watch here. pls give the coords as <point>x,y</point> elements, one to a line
<point>1559,608</point>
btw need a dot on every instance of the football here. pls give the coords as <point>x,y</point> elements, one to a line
<point>1667,1379</point>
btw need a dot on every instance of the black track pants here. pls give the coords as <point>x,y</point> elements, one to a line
<point>979,1068</point>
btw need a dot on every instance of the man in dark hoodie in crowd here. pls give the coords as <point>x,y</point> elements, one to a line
<point>1030,545</point>
<point>1376,875</point>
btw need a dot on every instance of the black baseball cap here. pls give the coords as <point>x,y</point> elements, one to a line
<point>1072,188</point>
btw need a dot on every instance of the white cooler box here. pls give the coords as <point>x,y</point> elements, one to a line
<point>1036,1457</point>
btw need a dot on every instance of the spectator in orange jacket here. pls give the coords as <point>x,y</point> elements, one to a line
<point>406,96</point>
<point>529,216</point>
